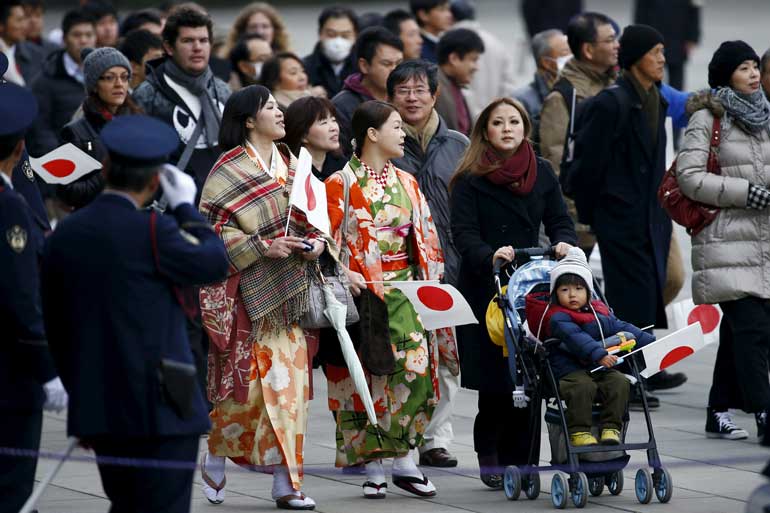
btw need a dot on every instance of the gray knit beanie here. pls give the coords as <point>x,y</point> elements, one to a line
<point>96,62</point>
<point>574,263</point>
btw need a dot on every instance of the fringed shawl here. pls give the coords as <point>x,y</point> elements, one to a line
<point>248,209</point>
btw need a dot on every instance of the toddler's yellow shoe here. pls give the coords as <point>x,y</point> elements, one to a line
<point>582,438</point>
<point>610,437</point>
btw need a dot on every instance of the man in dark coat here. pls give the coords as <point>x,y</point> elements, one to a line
<point>620,161</point>
<point>25,57</point>
<point>378,52</point>
<point>109,278</point>
<point>333,60</point>
<point>59,88</point>
<point>679,22</point>
<point>182,91</point>
<point>28,381</point>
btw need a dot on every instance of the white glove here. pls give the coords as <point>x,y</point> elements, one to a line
<point>520,399</point>
<point>56,397</point>
<point>178,187</point>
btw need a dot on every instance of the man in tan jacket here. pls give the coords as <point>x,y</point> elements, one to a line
<point>594,44</point>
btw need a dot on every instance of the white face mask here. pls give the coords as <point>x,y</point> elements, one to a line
<point>336,49</point>
<point>258,69</point>
<point>562,61</point>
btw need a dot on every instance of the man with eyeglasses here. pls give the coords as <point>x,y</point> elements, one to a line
<point>431,154</point>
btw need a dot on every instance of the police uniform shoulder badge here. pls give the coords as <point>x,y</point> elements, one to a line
<point>17,238</point>
<point>26,167</point>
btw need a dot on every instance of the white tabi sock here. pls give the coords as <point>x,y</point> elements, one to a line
<point>375,473</point>
<point>215,467</point>
<point>405,466</point>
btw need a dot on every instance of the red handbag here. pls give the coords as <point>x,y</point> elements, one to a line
<point>694,216</point>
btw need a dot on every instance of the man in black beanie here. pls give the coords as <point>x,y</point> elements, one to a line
<point>619,163</point>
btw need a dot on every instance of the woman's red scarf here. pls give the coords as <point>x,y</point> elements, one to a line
<point>518,172</point>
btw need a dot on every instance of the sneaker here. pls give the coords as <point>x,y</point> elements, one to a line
<point>635,401</point>
<point>582,438</point>
<point>719,424</point>
<point>610,437</point>
<point>761,419</point>
<point>664,380</point>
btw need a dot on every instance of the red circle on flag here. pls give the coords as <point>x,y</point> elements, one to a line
<point>310,194</point>
<point>708,316</point>
<point>435,298</point>
<point>676,354</point>
<point>59,167</point>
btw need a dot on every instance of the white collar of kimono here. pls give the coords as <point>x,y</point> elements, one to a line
<point>273,159</point>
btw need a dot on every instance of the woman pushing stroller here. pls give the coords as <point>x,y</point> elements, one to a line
<point>583,327</point>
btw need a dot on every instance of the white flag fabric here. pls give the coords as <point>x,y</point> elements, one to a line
<point>439,305</point>
<point>672,348</point>
<point>64,165</point>
<point>685,312</point>
<point>309,193</point>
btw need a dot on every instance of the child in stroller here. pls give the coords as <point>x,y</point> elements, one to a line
<point>583,326</point>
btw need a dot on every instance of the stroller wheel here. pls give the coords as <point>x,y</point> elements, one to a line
<point>615,482</point>
<point>512,482</point>
<point>664,487</point>
<point>559,491</point>
<point>643,486</point>
<point>532,486</point>
<point>580,490</point>
<point>596,486</point>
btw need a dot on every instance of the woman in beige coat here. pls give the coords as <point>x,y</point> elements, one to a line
<point>731,256</point>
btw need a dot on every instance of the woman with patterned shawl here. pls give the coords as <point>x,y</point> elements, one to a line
<point>258,372</point>
<point>390,237</point>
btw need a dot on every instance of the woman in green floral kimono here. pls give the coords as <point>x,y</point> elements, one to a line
<point>390,237</point>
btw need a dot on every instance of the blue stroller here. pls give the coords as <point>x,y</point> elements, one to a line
<point>580,471</point>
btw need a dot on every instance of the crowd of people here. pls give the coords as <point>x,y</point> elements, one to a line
<point>180,262</point>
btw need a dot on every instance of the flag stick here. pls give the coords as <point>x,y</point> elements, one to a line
<point>397,282</point>
<point>288,220</point>
<point>72,442</point>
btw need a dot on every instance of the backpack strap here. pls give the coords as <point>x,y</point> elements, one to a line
<point>624,107</point>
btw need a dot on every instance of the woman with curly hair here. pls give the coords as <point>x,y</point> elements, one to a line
<point>260,18</point>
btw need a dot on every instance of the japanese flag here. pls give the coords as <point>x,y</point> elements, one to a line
<point>672,348</point>
<point>309,194</point>
<point>685,312</point>
<point>64,165</point>
<point>439,305</point>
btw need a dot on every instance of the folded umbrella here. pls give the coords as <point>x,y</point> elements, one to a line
<point>336,312</point>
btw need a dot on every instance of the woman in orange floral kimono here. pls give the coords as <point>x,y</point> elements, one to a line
<point>258,372</point>
<point>390,237</point>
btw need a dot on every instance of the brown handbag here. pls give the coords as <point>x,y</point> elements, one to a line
<point>694,216</point>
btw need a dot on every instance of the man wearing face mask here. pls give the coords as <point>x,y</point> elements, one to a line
<point>332,60</point>
<point>551,53</point>
<point>593,43</point>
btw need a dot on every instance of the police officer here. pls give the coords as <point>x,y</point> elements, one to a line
<point>23,178</point>
<point>28,380</point>
<point>109,275</point>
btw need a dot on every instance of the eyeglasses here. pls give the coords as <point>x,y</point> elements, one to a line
<point>405,92</point>
<point>123,77</point>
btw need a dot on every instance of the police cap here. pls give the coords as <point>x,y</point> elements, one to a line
<point>18,109</point>
<point>139,140</point>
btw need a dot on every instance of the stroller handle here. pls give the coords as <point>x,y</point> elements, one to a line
<point>528,252</point>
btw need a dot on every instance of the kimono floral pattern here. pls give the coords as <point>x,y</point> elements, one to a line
<point>385,222</point>
<point>258,377</point>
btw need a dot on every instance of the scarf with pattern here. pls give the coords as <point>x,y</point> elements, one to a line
<point>750,111</point>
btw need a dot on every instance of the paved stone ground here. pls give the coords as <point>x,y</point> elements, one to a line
<point>710,476</point>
